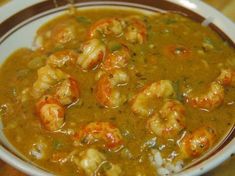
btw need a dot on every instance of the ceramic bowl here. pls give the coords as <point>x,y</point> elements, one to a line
<point>20,20</point>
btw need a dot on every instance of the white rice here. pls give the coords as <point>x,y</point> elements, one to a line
<point>163,166</point>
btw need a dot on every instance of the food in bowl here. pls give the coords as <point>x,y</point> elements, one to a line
<point>118,92</point>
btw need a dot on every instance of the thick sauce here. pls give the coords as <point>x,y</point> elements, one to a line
<point>165,47</point>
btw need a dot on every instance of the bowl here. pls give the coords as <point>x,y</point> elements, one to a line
<point>19,23</point>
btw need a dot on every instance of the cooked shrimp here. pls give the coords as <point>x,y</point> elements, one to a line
<point>47,77</point>
<point>92,160</point>
<point>61,58</point>
<point>136,31</point>
<point>169,121</point>
<point>50,113</point>
<point>132,28</point>
<point>116,59</point>
<point>211,99</point>
<point>107,93</point>
<point>68,91</point>
<point>195,144</point>
<point>93,53</point>
<point>107,26</point>
<point>160,89</point>
<point>226,77</point>
<point>95,131</point>
<point>63,33</point>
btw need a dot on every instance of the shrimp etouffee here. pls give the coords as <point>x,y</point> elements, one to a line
<point>118,93</point>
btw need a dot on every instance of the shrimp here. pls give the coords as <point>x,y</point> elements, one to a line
<point>59,35</point>
<point>160,89</point>
<point>63,33</point>
<point>117,59</point>
<point>107,26</point>
<point>136,31</point>
<point>95,131</point>
<point>208,101</point>
<point>50,112</point>
<point>198,142</point>
<point>61,58</point>
<point>226,77</point>
<point>132,28</point>
<point>93,53</point>
<point>68,91</point>
<point>169,121</point>
<point>47,77</point>
<point>106,89</point>
<point>92,160</point>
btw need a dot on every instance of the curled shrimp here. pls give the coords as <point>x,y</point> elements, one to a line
<point>68,91</point>
<point>95,131</point>
<point>132,28</point>
<point>47,77</point>
<point>107,26</point>
<point>106,91</point>
<point>169,121</point>
<point>117,59</point>
<point>198,142</point>
<point>58,35</point>
<point>211,99</point>
<point>50,113</point>
<point>93,53</point>
<point>160,89</point>
<point>136,31</point>
<point>61,58</point>
<point>226,77</point>
<point>63,33</point>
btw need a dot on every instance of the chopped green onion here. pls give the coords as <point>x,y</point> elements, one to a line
<point>179,96</point>
<point>169,21</point>
<point>56,144</point>
<point>114,46</point>
<point>37,62</point>
<point>83,20</point>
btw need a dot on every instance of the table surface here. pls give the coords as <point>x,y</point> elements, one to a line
<point>227,7</point>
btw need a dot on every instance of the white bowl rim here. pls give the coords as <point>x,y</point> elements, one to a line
<point>220,21</point>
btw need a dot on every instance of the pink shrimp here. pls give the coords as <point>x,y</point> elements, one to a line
<point>198,142</point>
<point>93,53</point>
<point>160,89</point>
<point>211,99</point>
<point>50,113</point>
<point>63,33</point>
<point>47,78</point>
<point>107,93</point>
<point>136,31</point>
<point>100,131</point>
<point>226,77</point>
<point>131,28</point>
<point>61,58</point>
<point>68,91</point>
<point>116,59</point>
<point>107,26</point>
<point>169,121</point>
